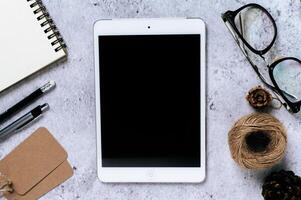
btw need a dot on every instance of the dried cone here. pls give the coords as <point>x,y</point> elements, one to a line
<point>259,97</point>
<point>282,185</point>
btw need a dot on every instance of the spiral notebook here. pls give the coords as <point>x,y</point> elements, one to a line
<point>29,40</point>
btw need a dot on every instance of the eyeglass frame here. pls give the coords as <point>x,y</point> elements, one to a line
<point>229,20</point>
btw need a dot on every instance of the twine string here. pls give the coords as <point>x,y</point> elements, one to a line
<point>5,184</point>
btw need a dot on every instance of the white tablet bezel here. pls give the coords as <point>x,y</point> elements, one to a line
<point>151,27</point>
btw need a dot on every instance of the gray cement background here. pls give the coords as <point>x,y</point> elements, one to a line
<point>72,115</point>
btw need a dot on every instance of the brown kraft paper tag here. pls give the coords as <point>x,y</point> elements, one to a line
<point>36,166</point>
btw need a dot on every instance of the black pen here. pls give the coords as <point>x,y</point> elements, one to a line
<point>24,120</point>
<point>26,101</point>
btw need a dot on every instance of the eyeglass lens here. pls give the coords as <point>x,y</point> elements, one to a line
<point>287,75</point>
<point>256,27</point>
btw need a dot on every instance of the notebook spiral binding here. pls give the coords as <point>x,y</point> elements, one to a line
<point>39,8</point>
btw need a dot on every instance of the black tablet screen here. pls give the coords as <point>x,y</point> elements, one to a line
<point>150,100</point>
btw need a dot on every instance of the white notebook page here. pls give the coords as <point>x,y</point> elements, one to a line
<point>24,47</point>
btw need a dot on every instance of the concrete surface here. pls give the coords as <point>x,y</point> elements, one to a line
<point>72,115</point>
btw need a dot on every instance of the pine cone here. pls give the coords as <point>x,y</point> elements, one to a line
<point>259,97</point>
<point>282,185</point>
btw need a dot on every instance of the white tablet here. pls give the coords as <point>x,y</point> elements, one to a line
<point>150,100</point>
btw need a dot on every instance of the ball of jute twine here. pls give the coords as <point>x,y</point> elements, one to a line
<point>257,124</point>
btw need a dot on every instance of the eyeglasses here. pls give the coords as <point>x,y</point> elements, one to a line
<point>255,32</point>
